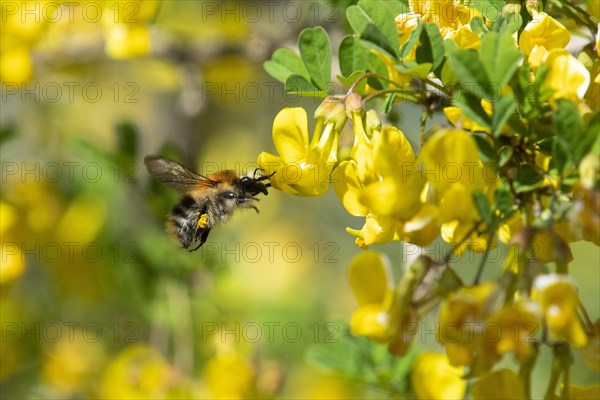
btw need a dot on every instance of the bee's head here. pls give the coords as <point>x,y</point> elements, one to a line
<point>253,185</point>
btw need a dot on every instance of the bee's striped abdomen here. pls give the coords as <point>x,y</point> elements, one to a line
<point>183,221</point>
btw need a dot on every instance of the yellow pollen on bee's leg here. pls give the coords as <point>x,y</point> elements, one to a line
<point>203,221</point>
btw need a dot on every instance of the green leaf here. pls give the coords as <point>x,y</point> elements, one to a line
<point>388,103</point>
<point>490,9</point>
<point>503,109</point>
<point>472,108</point>
<point>567,120</point>
<point>528,178</point>
<point>506,153</point>
<point>487,151</point>
<point>412,41</point>
<point>471,73</point>
<point>414,69</point>
<point>373,20</point>
<point>504,201</point>
<point>483,206</point>
<point>500,57</point>
<point>299,85</point>
<point>372,37</point>
<point>591,142</point>
<point>348,81</point>
<point>283,63</point>
<point>352,55</point>
<point>448,77</point>
<point>431,48</point>
<point>561,154</point>
<point>315,51</point>
<point>569,130</point>
<point>478,26</point>
<point>376,64</point>
<point>508,22</point>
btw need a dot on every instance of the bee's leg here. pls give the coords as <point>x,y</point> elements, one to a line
<point>201,236</point>
<point>264,177</point>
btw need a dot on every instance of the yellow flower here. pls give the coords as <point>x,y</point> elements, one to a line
<point>432,377</point>
<point>381,182</point>
<point>422,228</point>
<point>511,329</point>
<point>229,376</point>
<point>303,168</point>
<point>450,163</point>
<point>371,282</point>
<point>462,318</point>
<point>567,77</point>
<point>457,118</point>
<point>543,31</point>
<point>406,24</point>
<point>385,313</point>
<point>451,156</point>
<point>501,384</point>
<point>547,246</point>
<point>452,19</point>
<point>376,230</point>
<point>558,298</point>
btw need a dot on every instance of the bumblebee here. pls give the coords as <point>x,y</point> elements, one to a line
<point>207,200</point>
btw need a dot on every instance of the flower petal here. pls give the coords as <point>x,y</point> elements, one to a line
<point>290,134</point>
<point>348,188</point>
<point>543,30</point>
<point>433,377</point>
<point>370,277</point>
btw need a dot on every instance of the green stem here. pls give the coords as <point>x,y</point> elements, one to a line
<point>550,390</point>
<point>527,368</point>
<point>565,389</point>
<point>561,363</point>
<point>410,95</point>
<point>485,257</point>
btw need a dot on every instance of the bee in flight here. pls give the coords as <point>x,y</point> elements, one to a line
<point>206,200</point>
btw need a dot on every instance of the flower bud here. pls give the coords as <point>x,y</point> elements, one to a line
<point>333,112</point>
<point>354,105</point>
<point>533,7</point>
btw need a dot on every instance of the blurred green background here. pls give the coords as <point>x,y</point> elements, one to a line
<point>96,300</point>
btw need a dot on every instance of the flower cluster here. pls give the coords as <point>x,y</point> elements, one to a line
<point>515,166</point>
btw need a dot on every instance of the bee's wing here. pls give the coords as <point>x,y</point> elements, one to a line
<point>175,175</point>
